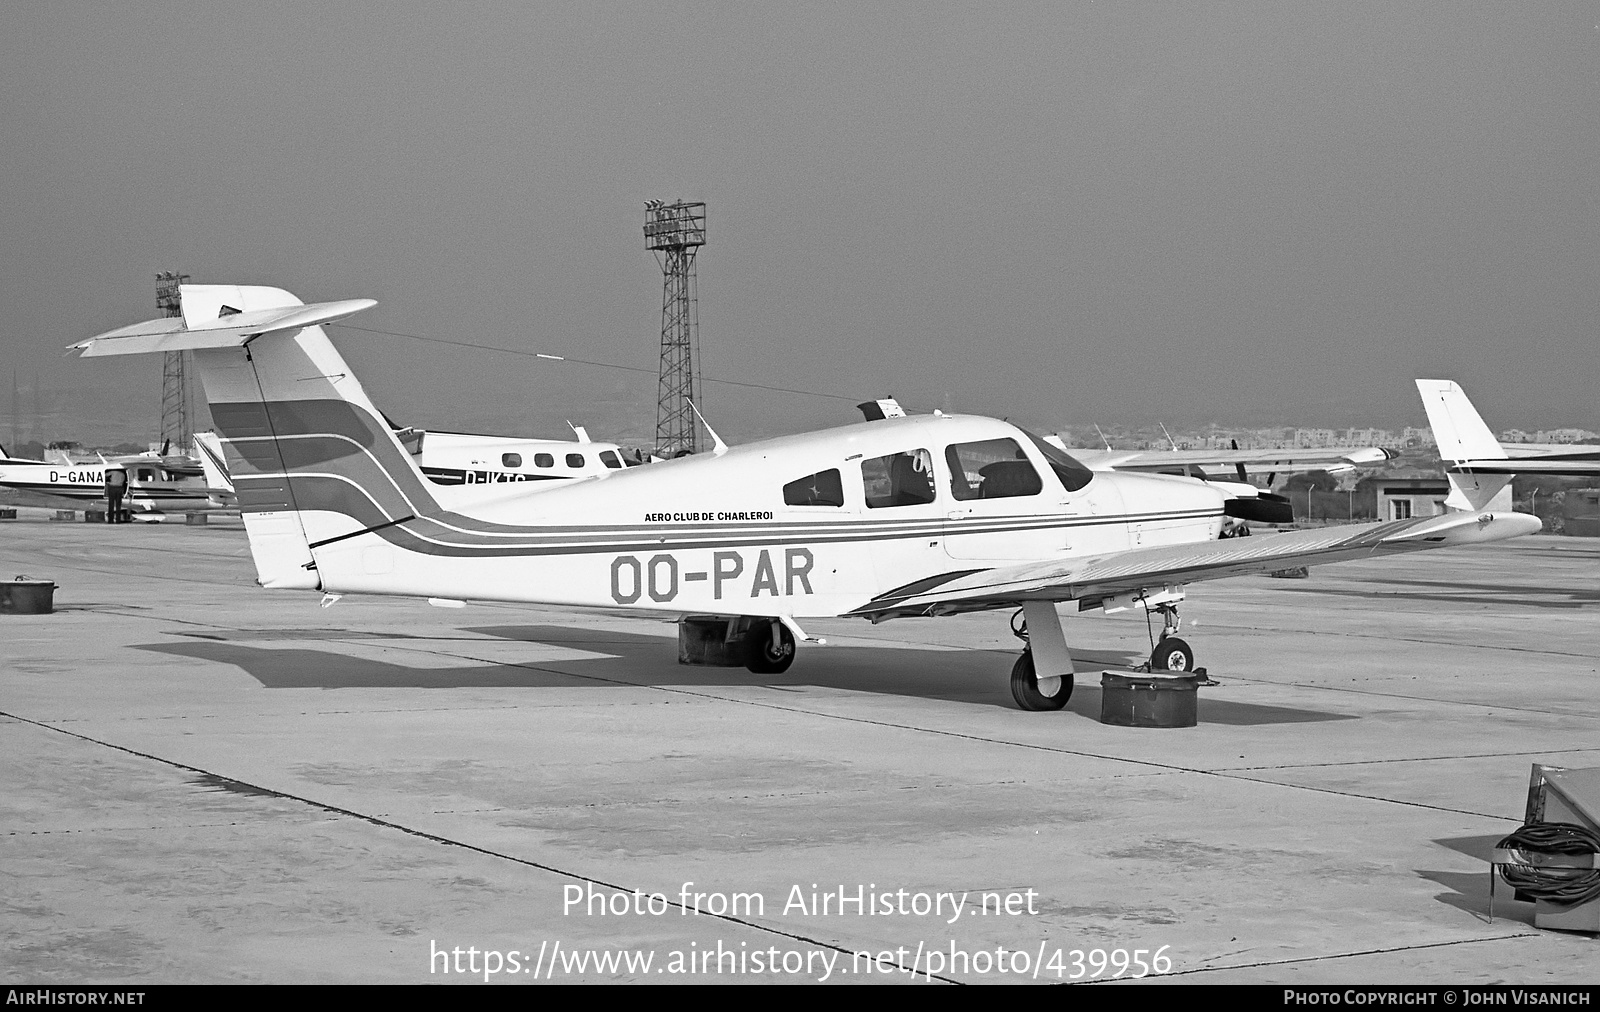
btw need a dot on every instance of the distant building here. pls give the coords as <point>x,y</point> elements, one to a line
<point>1417,437</point>
<point>1402,495</point>
<point>1313,438</point>
<point>1580,512</point>
<point>1564,436</point>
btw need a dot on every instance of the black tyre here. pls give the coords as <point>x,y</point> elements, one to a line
<point>1025,686</point>
<point>765,658</point>
<point>1172,654</point>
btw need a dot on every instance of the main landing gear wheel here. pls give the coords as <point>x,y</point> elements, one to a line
<point>771,648</point>
<point>1029,694</point>
<point>1172,654</point>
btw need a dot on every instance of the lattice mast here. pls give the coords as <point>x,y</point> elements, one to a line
<point>675,232</point>
<point>176,427</point>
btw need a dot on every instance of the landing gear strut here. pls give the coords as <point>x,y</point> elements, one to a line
<point>1029,690</point>
<point>1171,653</point>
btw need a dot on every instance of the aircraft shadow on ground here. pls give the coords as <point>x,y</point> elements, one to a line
<point>1469,891</point>
<point>630,659</point>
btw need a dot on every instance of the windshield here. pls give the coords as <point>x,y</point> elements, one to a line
<point>1073,475</point>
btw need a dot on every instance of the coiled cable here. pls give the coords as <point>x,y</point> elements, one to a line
<point>1564,886</point>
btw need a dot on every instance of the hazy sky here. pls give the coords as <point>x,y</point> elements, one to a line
<point>1061,213</point>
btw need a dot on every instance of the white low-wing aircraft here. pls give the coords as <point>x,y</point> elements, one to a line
<point>918,516</point>
<point>1480,467</point>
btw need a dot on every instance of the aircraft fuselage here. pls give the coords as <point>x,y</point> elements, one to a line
<point>807,525</point>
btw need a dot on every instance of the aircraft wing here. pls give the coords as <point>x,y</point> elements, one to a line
<point>1091,579</point>
<point>1569,464</point>
<point>1284,460</point>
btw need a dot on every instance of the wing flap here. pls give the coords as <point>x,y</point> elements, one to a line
<point>1095,577</point>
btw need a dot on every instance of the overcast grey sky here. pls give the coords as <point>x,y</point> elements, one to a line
<point>1063,213</point>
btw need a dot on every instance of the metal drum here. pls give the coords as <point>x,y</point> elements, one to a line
<point>23,596</point>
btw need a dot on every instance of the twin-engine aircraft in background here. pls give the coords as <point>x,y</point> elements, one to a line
<point>899,517</point>
<point>483,463</point>
<point>463,458</point>
<point>460,458</point>
<point>1480,468</point>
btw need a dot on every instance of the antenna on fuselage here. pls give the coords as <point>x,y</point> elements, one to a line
<point>718,447</point>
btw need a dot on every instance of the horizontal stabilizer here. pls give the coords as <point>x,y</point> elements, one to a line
<point>171,334</point>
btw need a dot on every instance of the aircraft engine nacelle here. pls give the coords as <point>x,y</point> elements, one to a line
<point>1262,508</point>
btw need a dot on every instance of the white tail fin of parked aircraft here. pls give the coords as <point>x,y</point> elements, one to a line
<point>1462,437</point>
<point>900,517</point>
<point>1480,466</point>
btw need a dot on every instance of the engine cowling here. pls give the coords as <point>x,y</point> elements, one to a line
<point>1262,508</point>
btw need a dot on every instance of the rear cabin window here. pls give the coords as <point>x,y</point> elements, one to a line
<point>821,489</point>
<point>543,460</point>
<point>609,459</point>
<point>991,469</point>
<point>574,460</point>
<point>900,479</point>
<point>511,460</point>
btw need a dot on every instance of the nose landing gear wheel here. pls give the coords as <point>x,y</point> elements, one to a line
<point>1030,694</point>
<point>771,648</point>
<point>1172,654</point>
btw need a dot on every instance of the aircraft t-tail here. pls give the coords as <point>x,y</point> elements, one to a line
<point>1479,468</point>
<point>910,516</point>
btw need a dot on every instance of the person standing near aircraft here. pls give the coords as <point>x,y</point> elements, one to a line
<point>116,488</point>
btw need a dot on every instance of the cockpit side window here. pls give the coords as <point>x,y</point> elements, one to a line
<point>1073,474</point>
<point>900,479</point>
<point>821,489</point>
<point>609,459</point>
<point>991,469</point>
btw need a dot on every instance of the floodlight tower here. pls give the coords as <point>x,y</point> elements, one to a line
<point>675,232</point>
<point>174,386</point>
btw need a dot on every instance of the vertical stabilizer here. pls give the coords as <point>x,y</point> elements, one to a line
<point>1463,437</point>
